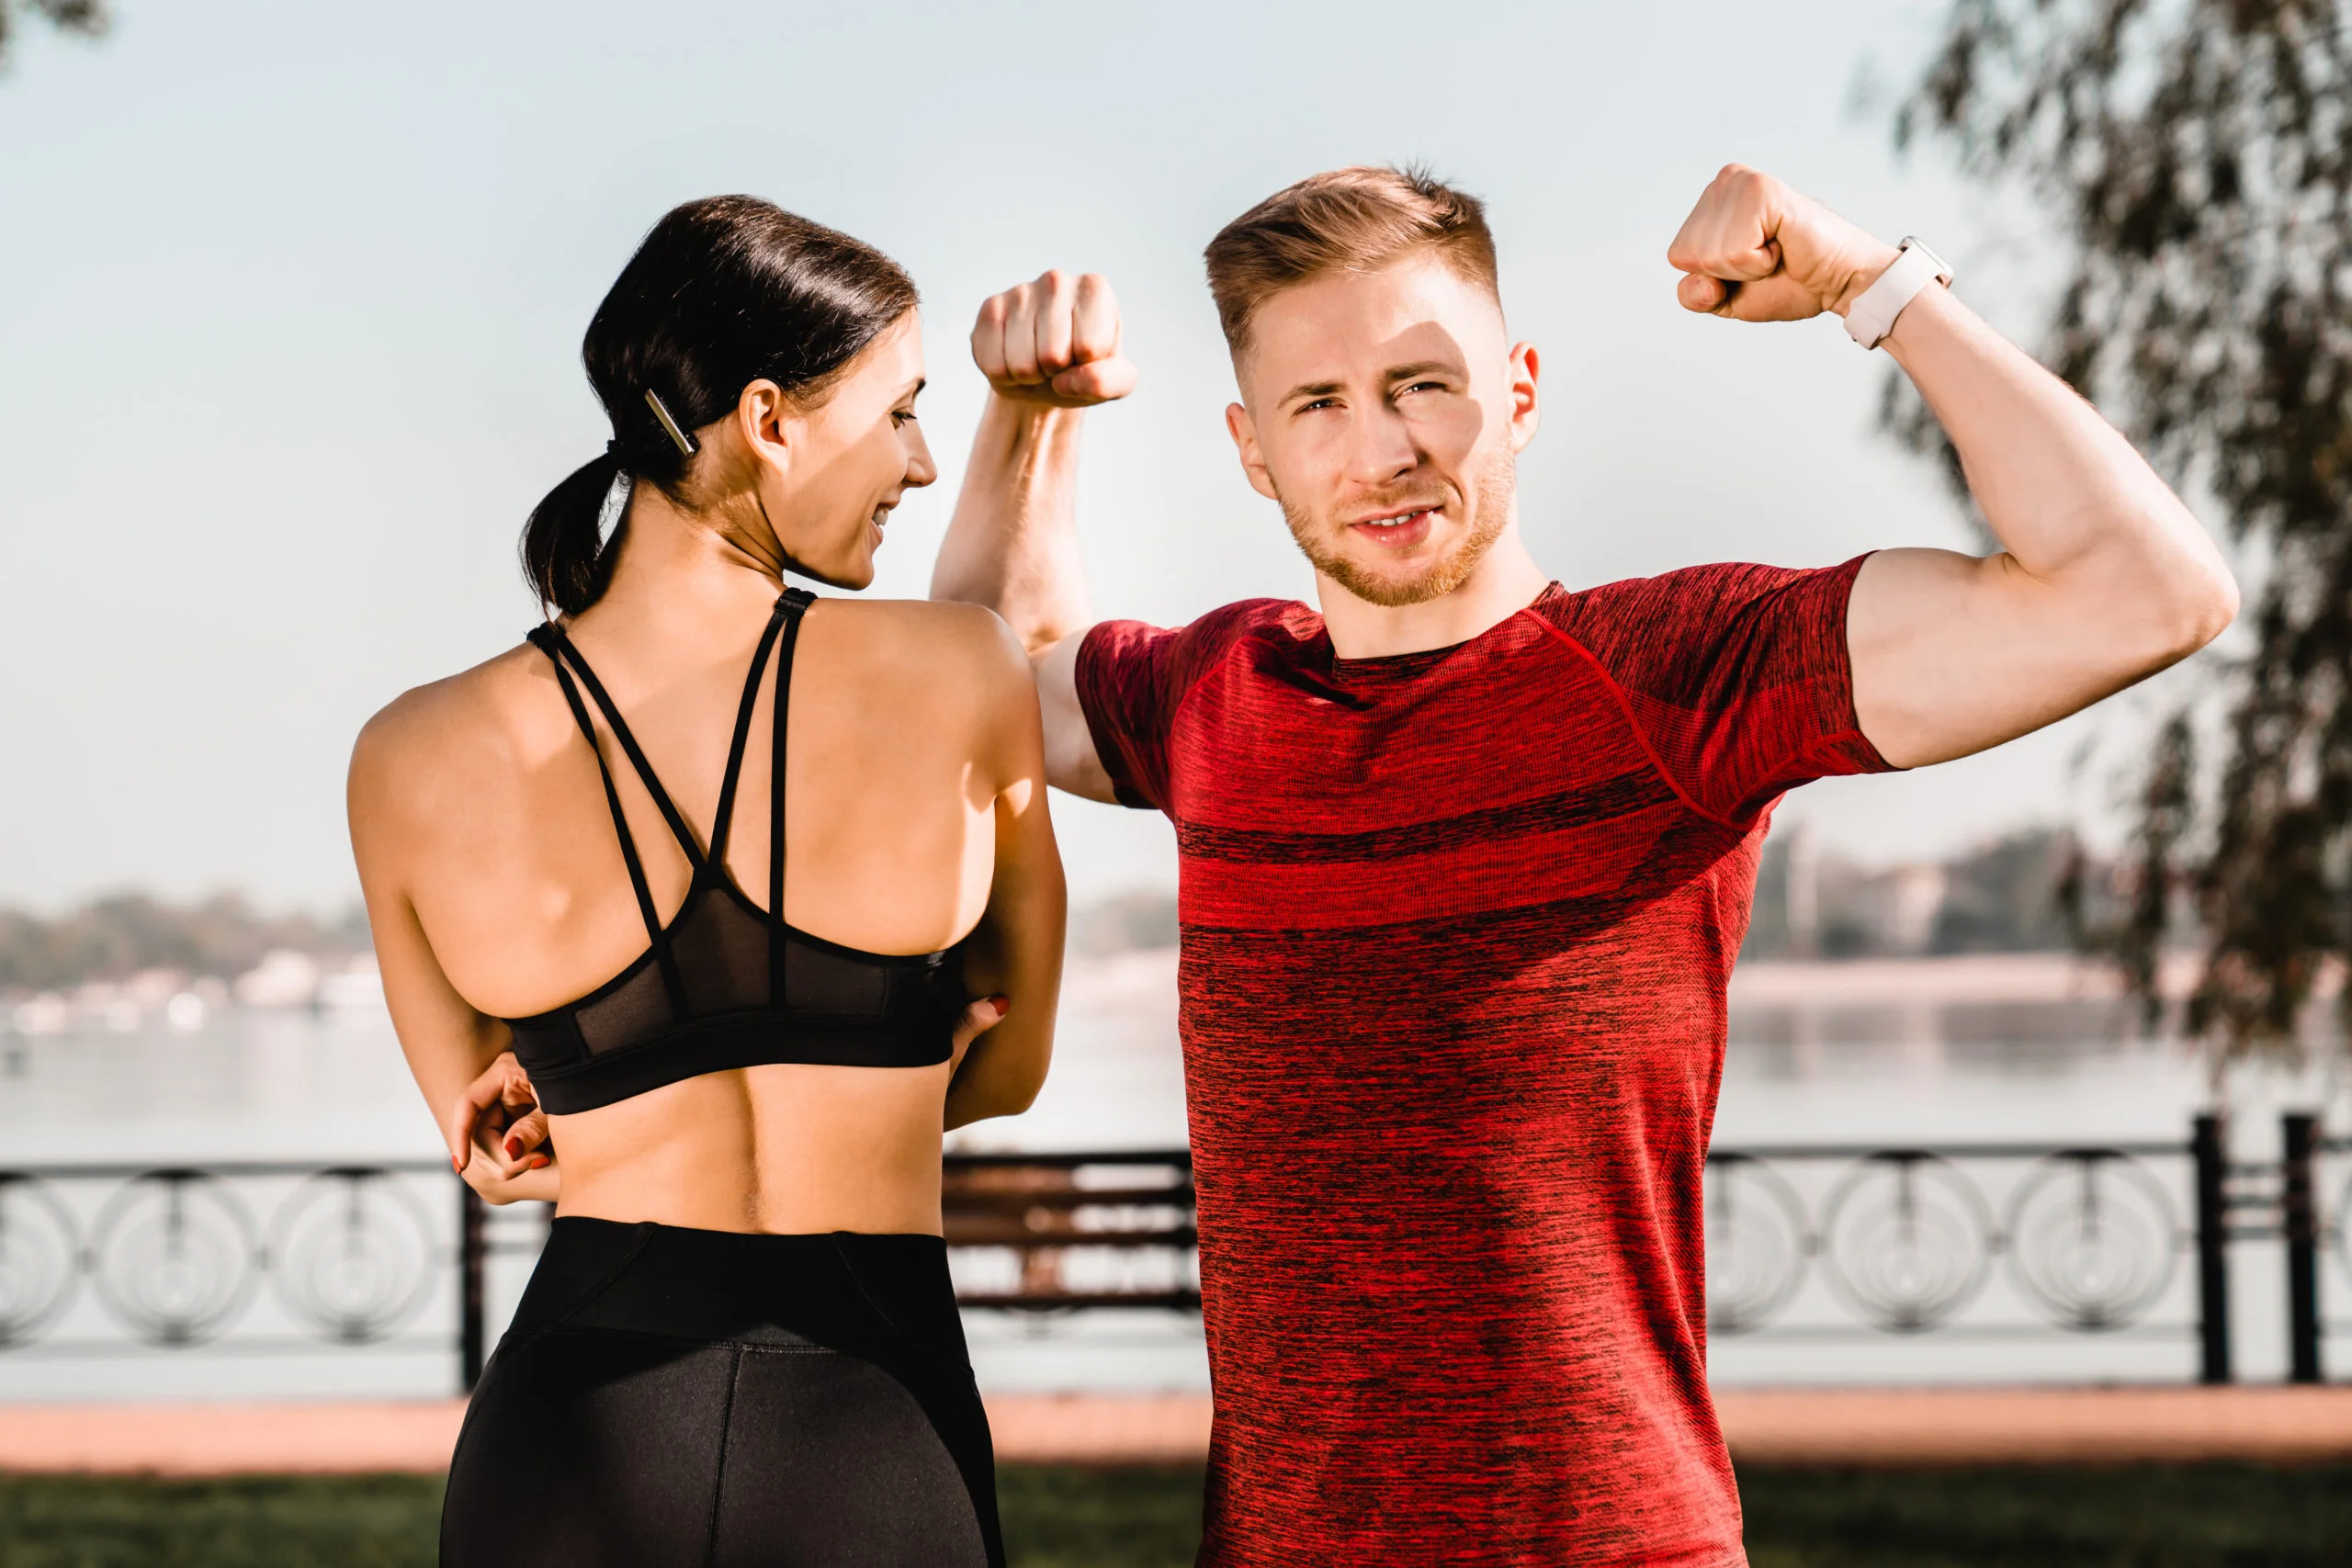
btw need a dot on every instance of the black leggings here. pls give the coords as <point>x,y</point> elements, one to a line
<point>670,1396</point>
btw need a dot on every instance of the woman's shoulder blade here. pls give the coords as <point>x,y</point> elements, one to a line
<point>453,724</point>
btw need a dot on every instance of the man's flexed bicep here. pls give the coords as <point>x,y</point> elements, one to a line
<point>1071,761</point>
<point>1954,654</point>
<point>2104,577</point>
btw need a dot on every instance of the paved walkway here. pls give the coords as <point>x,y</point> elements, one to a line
<point>1889,1426</point>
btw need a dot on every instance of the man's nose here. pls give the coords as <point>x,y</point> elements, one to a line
<point>1381,448</point>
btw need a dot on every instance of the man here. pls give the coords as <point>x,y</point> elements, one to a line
<point>1465,857</point>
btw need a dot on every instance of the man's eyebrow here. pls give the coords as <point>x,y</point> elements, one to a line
<point>1309,390</point>
<point>1391,377</point>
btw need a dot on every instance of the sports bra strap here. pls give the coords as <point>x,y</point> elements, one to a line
<point>548,641</point>
<point>725,816</point>
<point>791,606</point>
<point>562,644</point>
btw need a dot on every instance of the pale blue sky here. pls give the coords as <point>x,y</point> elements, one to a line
<point>292,295</point>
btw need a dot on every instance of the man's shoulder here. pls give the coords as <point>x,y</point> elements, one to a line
<point>1689,592</point>
<point>1692,607</point>
<point>1211,634</point>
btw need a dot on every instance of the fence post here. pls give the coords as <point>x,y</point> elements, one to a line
<point>473,1216</point>
<point>2300,1137</point>
<point>2212,1248</point>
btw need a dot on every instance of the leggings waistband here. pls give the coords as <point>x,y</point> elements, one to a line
<point>848,1291</point>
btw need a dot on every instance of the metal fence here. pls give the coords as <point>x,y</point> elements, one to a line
<point>1989,1240</point>
<point>2009,1240</point>
<point>250,1256</point>
<point>2319,1218</point>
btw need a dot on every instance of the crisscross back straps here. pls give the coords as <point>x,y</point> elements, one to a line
<point>550,642</point>
<point>794,603</point>
<point>742,738</point>
<point>570,655</point>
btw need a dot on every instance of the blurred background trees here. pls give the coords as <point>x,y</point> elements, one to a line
<point>118,936</point>
<point>2198,154</point>
<point>87,17</point>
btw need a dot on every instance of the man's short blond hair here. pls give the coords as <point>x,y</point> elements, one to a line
<point>1352,220</point>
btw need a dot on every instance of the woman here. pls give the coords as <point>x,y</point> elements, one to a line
<point>697,887</point>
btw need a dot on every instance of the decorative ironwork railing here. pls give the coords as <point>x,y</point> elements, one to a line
<point>98,1258</point>
<point>1808,1241</point>
<point>1907,1241</point>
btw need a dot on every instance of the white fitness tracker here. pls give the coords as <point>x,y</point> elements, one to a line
<point>1870,318</point>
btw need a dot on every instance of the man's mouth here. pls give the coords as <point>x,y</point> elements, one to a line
<point>1397,530</point>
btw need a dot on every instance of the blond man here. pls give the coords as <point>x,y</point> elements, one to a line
<point>1466,855</point>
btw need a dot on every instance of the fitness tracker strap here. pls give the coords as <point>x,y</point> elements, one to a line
<point>1870,318</point>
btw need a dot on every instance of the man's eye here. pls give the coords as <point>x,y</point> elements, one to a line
<point>1319,403</point>
<point>902,416</point>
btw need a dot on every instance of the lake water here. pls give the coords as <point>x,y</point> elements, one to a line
<point>1926,1053</point>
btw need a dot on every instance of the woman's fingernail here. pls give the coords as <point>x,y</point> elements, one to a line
<point>514,1148</point>
<point>457,1165</point>
<point>1003,1005</point>
<point>539,1162</point>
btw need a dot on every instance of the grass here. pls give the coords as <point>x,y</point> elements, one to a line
<point>2138,1517</point>
<point>2188,1517</point>
<point>387,1521</point>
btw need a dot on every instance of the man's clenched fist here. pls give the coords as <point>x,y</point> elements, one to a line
<point>1756,251</point>
<point>1053,342</point>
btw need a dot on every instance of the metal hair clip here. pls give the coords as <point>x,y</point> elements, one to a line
<point>686,444</point>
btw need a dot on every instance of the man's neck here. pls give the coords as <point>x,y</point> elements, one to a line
<point>1502,584</point>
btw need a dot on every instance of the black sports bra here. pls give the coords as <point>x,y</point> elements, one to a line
<point>726,984</point>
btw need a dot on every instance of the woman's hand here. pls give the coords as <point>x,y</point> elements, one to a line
<point>977,1020</point>
<point>498,1136</point>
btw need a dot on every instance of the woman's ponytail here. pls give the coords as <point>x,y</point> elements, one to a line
<point>562,555</point>
<point>724,292</point>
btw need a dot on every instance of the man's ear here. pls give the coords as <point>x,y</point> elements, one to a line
<point>1244,431</point>
<point>1526,408</point>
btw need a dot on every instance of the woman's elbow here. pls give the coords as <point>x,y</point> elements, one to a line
<point>985,1102</point>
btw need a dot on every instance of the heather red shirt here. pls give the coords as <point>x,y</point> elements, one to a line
<point>1457,927</point>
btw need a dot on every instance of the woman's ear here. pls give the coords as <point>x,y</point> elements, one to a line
<point>764,422</point>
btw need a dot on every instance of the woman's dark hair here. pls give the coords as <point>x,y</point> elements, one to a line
<point>725,291</point>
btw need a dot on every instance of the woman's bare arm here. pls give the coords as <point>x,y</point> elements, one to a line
<point>1016,950</point>
<point>449,1044</point>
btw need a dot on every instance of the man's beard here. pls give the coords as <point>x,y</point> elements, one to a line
<point>1436,578</point>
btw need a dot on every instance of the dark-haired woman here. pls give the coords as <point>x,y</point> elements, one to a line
<point>715,889</point>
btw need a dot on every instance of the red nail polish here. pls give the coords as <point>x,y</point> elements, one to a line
<point>514,1148</point>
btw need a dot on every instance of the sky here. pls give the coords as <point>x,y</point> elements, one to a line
<point>291,299</point>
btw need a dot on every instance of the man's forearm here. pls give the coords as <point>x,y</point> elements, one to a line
<point>2060,489</point>
<point>1012,544</point>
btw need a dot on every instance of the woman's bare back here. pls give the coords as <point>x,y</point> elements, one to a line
<point>909,724</point>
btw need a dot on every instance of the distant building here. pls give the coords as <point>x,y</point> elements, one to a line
<point>284,978</point>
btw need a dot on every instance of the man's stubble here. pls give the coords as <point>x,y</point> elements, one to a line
<point>1496,491</point>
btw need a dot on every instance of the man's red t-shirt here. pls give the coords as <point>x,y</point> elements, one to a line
<point>1457,927</point>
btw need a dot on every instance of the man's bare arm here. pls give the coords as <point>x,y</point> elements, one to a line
<point>2104,577</point>
<point>1050,349</point>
